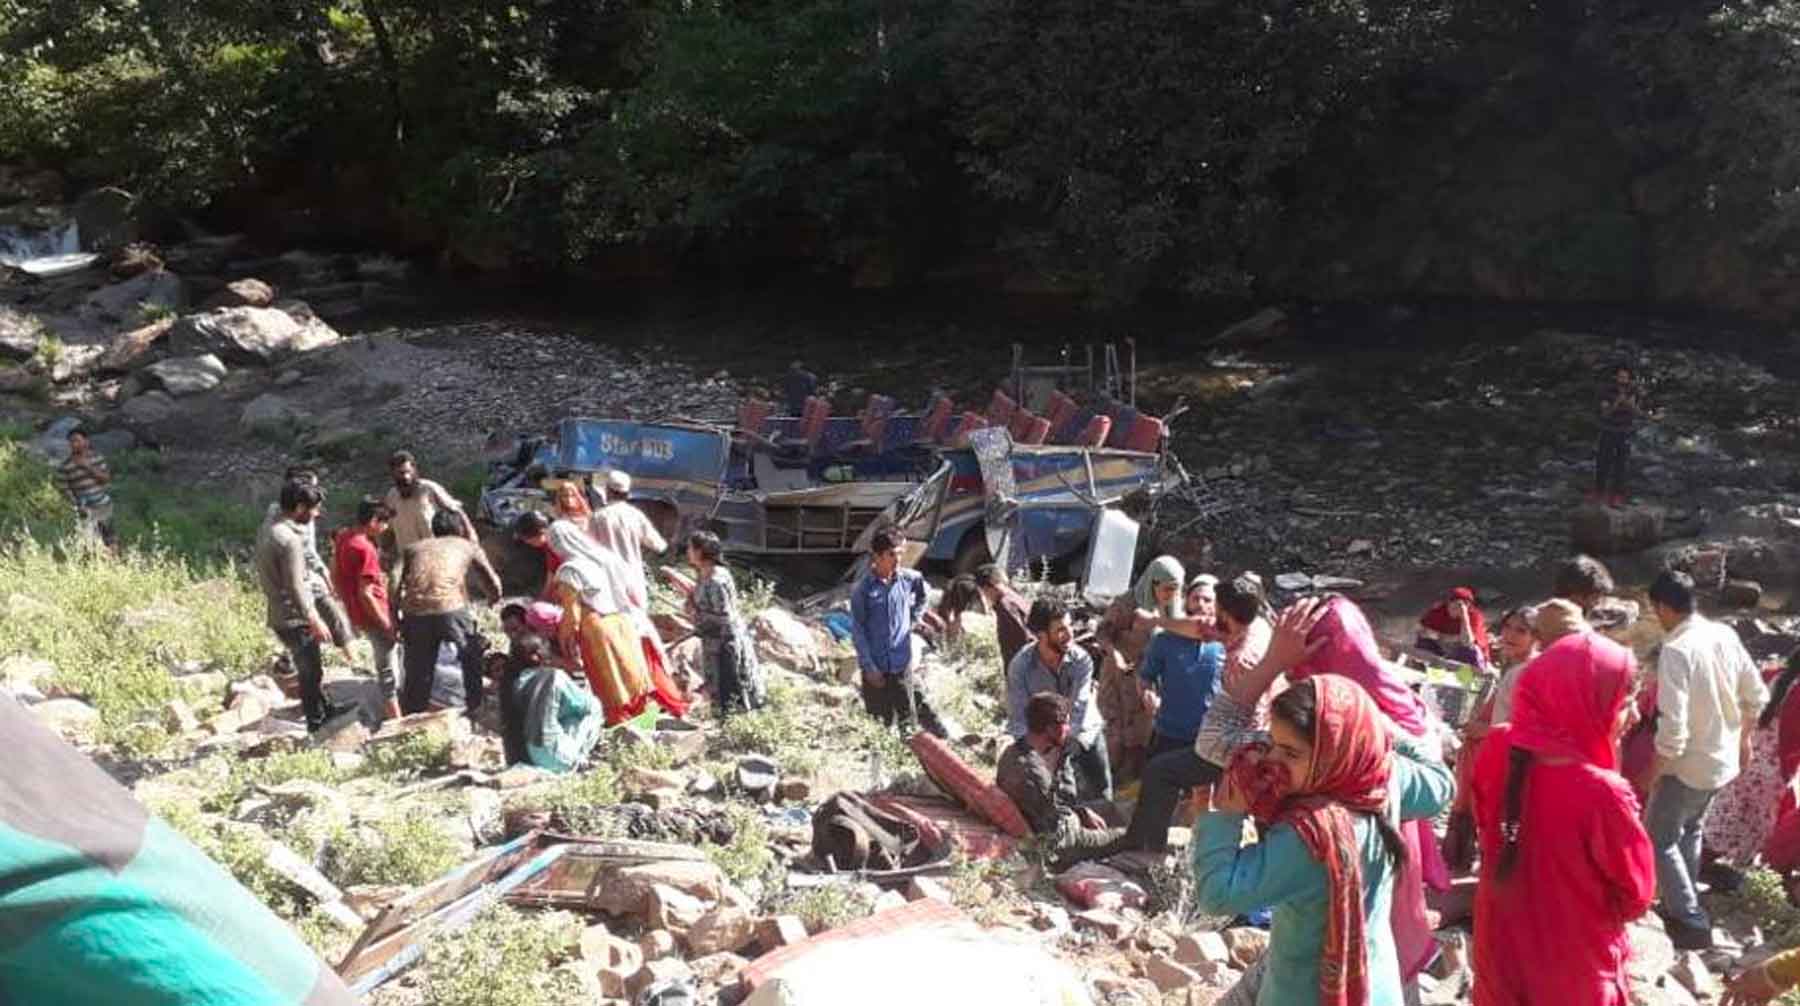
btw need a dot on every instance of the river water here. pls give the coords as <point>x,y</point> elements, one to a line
<point>47,253</point>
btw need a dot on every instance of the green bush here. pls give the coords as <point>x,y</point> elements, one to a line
<point>411,757</point>
<point>29,500</point>
<point>822,908</point>
<point>505,958</point>
<point>748,857</point>
<point>404,849</point>
<point>577,803</point>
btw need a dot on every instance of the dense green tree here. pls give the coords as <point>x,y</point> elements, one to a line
<point>1329,148</point>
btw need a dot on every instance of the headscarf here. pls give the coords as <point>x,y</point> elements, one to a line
<point>583,509</point>
<point>569,540</point>
<point>1439,619</point>
<point>1351,652</point>
<point>1569,698</point>
<point>601,577</point>
<point>543,618</point>
<point>1352,762</point>
<point>1163,569</point>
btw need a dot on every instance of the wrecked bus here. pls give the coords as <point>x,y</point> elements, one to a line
<point>784,489</point>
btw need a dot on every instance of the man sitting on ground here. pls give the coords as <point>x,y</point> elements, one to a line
<point>1055,664</point>
<point>434,597</point>
<point>1034,773</point>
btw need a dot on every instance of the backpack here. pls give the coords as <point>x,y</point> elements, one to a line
<point>850,833</point>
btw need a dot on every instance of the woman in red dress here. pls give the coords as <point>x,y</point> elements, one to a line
<point>1565,860</point>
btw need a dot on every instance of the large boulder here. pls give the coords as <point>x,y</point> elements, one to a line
<point>129,348</point>
<point>784,640</point>
<point>151,293</point>
<point>257,335</point>
<point>1615,530</point>
<point>245,292</point>
<point>74,363</point>
<point>107,219</point>
<point>187,375</point>
<point>144,412</point>
<point>272,416</point>
<point>20,333</point>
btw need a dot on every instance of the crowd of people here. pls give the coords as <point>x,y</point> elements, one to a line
<point>1575,774</point>
<point>1623,792</point>
<point>399,578</point>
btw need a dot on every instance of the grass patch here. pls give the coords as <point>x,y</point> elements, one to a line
<point>111,626</point>
<point>624,755</point>
<point>29,500</point>
<point>748,860</point>
<point>150,312</point>
<point>151,510</point>
<point>823,908</point>
<point>407,850</point>
<point>577,803</point>
<point>244,774</point>
<point>1762,897</point>
<point>502,959</point>
<point>153,513</point>
<point>413,756</point>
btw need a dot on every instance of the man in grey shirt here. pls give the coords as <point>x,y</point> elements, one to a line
<point>318,578</point>
<point>293,615</point>
<point>1053,663</point>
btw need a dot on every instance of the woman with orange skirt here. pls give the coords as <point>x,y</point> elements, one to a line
<point>599,626</point>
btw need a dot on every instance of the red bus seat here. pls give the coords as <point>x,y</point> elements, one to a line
<point>1001,408</point>
<point>1035,431</point>
<point>1146,435</point>
<point>1094,434</point>
<point>937,420</point>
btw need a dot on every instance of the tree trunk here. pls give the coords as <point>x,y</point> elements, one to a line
<point>390,67</point>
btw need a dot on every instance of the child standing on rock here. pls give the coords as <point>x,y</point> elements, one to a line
<point>1620,408</point>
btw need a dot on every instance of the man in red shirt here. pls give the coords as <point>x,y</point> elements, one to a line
<point>357,573</point>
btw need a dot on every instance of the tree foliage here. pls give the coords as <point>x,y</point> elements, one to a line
<point>1322,147</point>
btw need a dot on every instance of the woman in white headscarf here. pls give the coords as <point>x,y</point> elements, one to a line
<point>600,600</point>
<point>1122,637</point>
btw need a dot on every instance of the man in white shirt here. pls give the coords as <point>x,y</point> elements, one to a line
<point>1708,696</point>
<point>625,529</point>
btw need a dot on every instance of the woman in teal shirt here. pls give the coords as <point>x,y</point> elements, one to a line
<point>1327,790</point>
<point>548,720</point>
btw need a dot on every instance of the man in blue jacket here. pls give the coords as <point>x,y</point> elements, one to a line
<point>885,607</point>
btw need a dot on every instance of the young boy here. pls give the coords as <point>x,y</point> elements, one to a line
<point>1620,408</point>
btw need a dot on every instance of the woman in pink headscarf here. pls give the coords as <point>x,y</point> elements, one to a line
<point>1331,635</point>
<point>1557,821</point>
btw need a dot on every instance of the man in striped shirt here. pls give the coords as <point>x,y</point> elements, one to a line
<point>85,480</point>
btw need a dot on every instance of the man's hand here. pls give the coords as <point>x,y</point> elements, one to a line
<point>1089,819</point>
<point>1152,701</point>
<point>1746,746</point>
<point>874,679</point>
<point>317,627</point>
